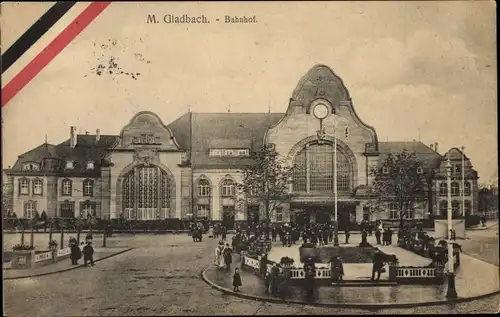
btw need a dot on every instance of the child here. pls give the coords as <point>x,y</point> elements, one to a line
<point>236,280</point>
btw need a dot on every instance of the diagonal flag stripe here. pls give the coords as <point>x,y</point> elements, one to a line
<point>35,32</point>
<point>52,50</point>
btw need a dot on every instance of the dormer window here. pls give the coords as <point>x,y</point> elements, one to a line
<point>70,165</point>
<point>385,170</point>
<point>90,165</point>
<point>145,138</point>
<point>31,167</point>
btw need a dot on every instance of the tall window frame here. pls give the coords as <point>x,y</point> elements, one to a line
<point>228,188</point>
<point>88,187</point>
<point>455,189</point>
<point>24,186</point>
<point>66,187</point>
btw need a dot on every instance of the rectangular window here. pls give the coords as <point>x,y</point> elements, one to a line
<point>90,165</point>
<point>279,214</point>
<point>29,209</point>
<point>87,211</point>
<point>203,211</point>
<point>24,187</point>
<point>66,187</point>
<point>88,188</point>
<point>37,187</point>
<point>69,165</point>
<point>144,138</point>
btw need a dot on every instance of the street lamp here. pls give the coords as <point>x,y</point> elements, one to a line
<point>321,111</point>
<point>463,181</point>
<point>452,292</point>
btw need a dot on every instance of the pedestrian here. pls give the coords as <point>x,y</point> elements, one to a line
<point>378,264</point>
<point>88,254</point>
<point>336,269</point>
<point>377,235</point>
<point>347,235</point>
<point>223,233</point>
<point>228,256</point>
<point>76,253</point>
<point>236,280</point>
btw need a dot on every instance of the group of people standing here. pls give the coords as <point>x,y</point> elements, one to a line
<point>87,250</point>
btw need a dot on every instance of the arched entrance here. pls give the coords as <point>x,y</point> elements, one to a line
<point>146,193</point>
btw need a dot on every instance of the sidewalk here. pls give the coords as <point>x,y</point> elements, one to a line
<point>489,224</point>
<point>61,266</point>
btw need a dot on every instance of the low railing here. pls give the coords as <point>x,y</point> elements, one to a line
<point>415,272</point>
<point>43,256</point>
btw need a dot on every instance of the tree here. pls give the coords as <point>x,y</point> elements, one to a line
<point>7,198</point>
<point>487,199</point>
<point>399,179</point>
<point>266,180</point>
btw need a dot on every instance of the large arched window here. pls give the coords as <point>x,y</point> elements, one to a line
<point>146,193</point>
<point>443,189</point>
<point>314,169</point>
<point>455,189</point>
<point>29,209</point>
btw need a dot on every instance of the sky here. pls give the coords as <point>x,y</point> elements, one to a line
<point>414,70</point>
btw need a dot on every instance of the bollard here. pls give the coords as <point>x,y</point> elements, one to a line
<point>105,233</point>
<point>22,235</point>
<point>32,237</point>
<point>62,238</point>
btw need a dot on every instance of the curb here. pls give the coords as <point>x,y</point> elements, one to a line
<point>339,305</point>
<point>68,269</point>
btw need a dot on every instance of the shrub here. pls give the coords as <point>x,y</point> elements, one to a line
<point>287,260</point>
<point>23,247</point>
<point>53,244</point>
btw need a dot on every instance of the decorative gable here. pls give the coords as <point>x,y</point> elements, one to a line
<point>147,130</point>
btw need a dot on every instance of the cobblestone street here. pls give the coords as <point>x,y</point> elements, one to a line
<point>161,276</point>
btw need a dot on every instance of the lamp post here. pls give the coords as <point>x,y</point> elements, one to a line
<point>452,292</point>
<point>463,181</point>
<point>336,234</point>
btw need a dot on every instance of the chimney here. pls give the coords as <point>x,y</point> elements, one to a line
<point>72,137</point>
<point>435,146</point>
<point>97,135</point>
<point>87,133</point>
<point>432,146</point>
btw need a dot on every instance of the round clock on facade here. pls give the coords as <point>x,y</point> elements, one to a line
<point>321,111</point>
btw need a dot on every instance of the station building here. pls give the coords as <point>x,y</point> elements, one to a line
<point>153,170</point>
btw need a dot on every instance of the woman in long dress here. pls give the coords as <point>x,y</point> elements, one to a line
<point>220,261</point>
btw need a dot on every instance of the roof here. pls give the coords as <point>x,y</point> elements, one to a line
<point>86,149</point>
<point>429,157</point>
<point>216,130</point>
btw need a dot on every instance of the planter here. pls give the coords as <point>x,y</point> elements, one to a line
<point>22,259</point>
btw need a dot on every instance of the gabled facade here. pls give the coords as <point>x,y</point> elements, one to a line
<point>190,166</point>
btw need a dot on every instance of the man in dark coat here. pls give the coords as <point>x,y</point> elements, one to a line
<point>223,233</point>
<point>347,235</point>
<point>76,253</point>
<point>228,256</point>
<point>377,235</point>
<point>88,254</point>
<point>378,264</point>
